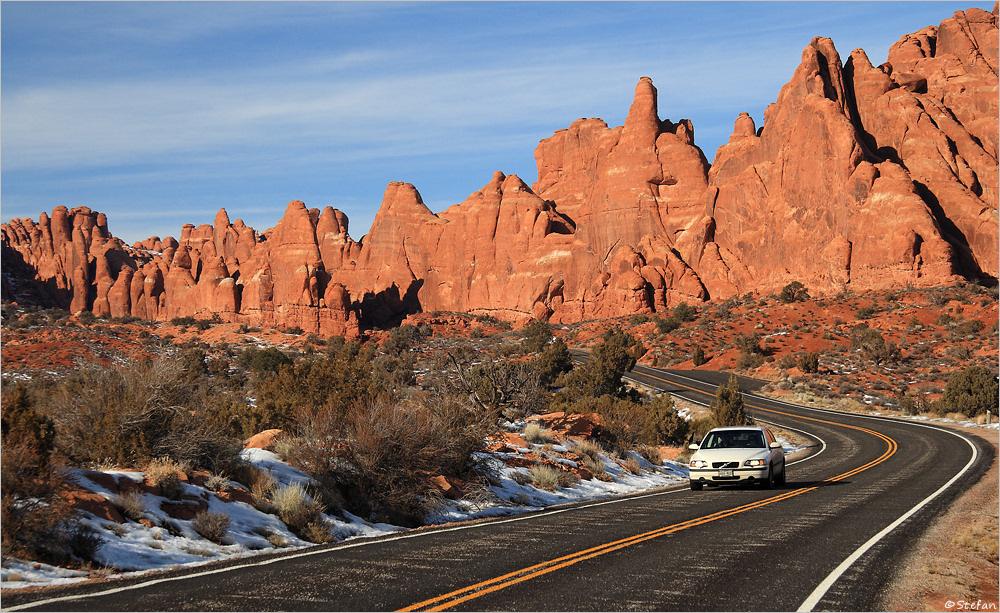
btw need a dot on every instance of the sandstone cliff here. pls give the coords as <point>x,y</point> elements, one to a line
<point>860,177</point>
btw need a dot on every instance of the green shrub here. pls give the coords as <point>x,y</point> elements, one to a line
<point>602,374</point>
<point>793,292</point>
<point>684,312</point>
<point>536,336</point>
<point>665,325</point>
<point>663,426</point>
<point>872,345</point>
<point>20,422</point>
<point>698,356</point>
<point>553,361</point>
<point>728,408</point>
<point>972,391</point>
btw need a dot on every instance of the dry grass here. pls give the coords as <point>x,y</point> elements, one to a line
<point>650,453</point>
<point>165,473</point>
<point>262,487</point>
<point>545,477</point>
<point>302,513</point>
<point>212,526</point>
<point>217,483</point>
<point>534,433</point>
<point>130,505</point>
<point>632,465</point>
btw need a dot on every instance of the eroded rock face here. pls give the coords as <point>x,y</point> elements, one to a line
<point>861,177</point>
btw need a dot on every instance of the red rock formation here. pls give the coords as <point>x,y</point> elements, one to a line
<point>861,177</point>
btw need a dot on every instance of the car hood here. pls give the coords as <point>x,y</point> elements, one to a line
<point>731,454</point>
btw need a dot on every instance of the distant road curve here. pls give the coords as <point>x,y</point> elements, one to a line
<point>829,540</point>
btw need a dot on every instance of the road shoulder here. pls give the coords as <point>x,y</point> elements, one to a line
<point>955,560</point>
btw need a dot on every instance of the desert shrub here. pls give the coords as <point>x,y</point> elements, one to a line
<point>535,434</point>
<point>545,477</point>
<point>510,388</point>
<point>602,374</point>
<point>873,345</point>
<point>36,522</point>
<point>165,474</point>
<point>588,448</point>
<point>698,356</point>
<point>317,532</point>
<point>296,393</point>
<point>217,483</point>
<point>20,421</point>
<point>809,362</point>
<point>536,336</point>
<point>662,424</point>
<point>793,292</point>
<point>389,447</point>
<point>749,344</point>
<point>684,312</point>
<point>665,325</point>
<point>728,408</point>
<point>401,339</point>
<point>650,453</point>
<point>130,505</point>
<point>632,465</point>
<point>787,361</point>
<point>749,360</point>
<point>212,526</point>
<point>296,507</point>
<point>296,330</point>
<point>261,361</point>
<point>494,322</point>
<point>866,312</point>
<point>970,327</point>
<point>262,487</point>
<point>553,361</point>
<point>133,412</point>
<point>972,391</point>
<point>183,321</point>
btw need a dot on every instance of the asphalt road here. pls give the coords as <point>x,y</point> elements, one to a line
<point>726,549</point>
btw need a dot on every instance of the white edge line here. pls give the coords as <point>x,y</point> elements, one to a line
<point>833,577</point>
<point>408,535</point>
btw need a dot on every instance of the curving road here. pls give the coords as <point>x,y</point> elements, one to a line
<point>829,540</point>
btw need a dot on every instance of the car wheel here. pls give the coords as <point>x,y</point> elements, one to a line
<point>696,486</point>
<point>769,482</point>
<point>780,481</point>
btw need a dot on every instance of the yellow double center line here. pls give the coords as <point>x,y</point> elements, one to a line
<point>483,588</point>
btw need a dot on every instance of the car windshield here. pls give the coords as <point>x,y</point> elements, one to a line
<point>727,439</point>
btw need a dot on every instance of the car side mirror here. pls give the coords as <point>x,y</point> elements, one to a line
<point>775,445</point>
<point>693,447</point>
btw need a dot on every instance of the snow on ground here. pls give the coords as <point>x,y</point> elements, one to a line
<point>133,548</point>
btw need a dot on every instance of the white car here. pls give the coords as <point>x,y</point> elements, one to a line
<point>737,454</point>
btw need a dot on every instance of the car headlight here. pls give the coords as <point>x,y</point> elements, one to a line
<point>755,463</point>
<point>698,463</point>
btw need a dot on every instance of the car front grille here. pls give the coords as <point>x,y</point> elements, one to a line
<point>725,464</point>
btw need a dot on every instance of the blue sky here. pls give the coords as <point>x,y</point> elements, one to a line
<point>161,113</point>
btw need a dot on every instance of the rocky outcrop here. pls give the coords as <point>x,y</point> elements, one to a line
<point>860,177</point>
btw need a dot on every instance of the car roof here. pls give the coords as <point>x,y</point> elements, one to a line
<point>731,428</point>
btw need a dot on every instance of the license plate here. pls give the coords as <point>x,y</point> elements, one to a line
<point>725,472</point>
